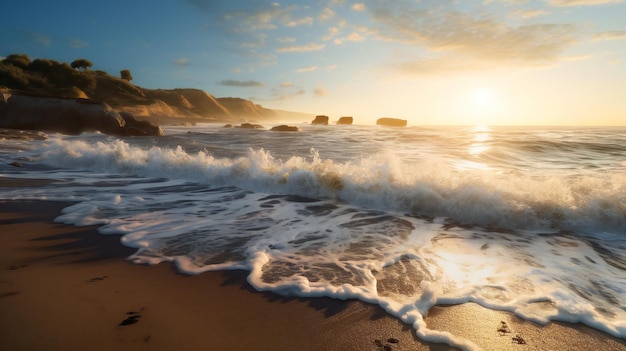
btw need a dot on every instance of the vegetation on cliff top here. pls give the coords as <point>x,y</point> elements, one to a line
<point>59,79</point>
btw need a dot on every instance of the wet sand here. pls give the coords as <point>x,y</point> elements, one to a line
<point>70,288</point>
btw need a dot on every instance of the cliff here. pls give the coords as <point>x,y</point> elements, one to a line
<point>59,80</point>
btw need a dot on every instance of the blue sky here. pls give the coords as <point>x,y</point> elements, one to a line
<point>432,62</point>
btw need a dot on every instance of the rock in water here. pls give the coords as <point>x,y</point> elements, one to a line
<point>285,128</point>
<point>321,119</point>
<point>345,120</point>
<point>391,122</point>
<point>251,126</point>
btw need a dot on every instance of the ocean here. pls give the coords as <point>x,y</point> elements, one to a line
<point>530,220</point>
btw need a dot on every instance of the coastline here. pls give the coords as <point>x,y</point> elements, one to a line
<point>65,287</point>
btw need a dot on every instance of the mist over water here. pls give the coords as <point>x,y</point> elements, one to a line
<point>529,220</point>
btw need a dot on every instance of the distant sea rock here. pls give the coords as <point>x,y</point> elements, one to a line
<point>391,122</point>
<point>321,119</point>
<point>285,128</point>
<point>345,120</point>
<point>250,126</point>
<point>67,115</point>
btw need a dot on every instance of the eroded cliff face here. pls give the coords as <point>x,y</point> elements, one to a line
<point>246,109</point>
<point>180,103</point>
<point>66,115</point>
<point>156,109</point>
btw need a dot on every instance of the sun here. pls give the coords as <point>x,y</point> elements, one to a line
<point>482,106</point>
<point>482,97</point>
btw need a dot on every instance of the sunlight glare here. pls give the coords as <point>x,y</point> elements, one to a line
<point>482,97</point>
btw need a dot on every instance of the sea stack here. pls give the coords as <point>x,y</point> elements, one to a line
<point>345,120</point>
<point>320,119</point>
<point>285,128</point>
<point>391,122</point>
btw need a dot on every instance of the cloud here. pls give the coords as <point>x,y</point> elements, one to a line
<point>528,14</point>
<point>279,95</point>
<point>241,84</point>
<point>459,41</point>
<point>39,38</point>
<point>301,48</point>
<point>299,22</point>
<point>181,62</point>
<point>354,36</point>
<point>611,35</point>
<point>562,3</point>
<point>320,92</point>
<point>510,2</point>
<point>327,13</point>
<point>306,69</point>
<point>77,44</point>
<point>286,40</point>
<point>358,7</point>
<point>286,85</point>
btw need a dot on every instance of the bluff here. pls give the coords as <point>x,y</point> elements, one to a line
<point>163,106</point>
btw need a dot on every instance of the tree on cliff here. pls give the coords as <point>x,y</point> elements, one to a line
<point>125,74</point>
<point>81,63</point>
<point>21,61</point>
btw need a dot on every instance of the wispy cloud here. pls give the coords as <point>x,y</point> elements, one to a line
<point>582,2</point>
<point>77,44</point>
<point>306,69</point>
<point>301,48</point>
<point>354,36</point>
<point>38,38</point>
<point>286,40</point>
<point>241,84</point>
<point>525,14</point>
<point>299,22</point>
<point>611,35</point>
<point>181,62</point>
<point>281,94</point>
<point>320,92</point>
<point>358,7</point>
<point>460,41</point>
<point>327,13</point>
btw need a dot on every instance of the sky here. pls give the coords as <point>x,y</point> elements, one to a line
<point>472,62</point>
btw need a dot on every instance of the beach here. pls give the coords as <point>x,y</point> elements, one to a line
<point>65,287</point>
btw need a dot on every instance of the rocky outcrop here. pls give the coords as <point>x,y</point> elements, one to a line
<point>320,119</point>
<point>66,115</point>
<point>285,128</point>
<point>345,120</point>
<point>391,122</point>
<point>250,126</point>
<point>135,127</point>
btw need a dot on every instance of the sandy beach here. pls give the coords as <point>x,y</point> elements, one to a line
<point>70,288</point>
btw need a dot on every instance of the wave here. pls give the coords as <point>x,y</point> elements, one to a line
<point>425,187</point>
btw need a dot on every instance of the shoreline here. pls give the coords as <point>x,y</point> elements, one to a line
<point>65,287</point>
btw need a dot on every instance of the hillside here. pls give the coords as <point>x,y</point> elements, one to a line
<point>162,106</point>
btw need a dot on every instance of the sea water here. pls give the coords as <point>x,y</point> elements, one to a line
<point>527,220</point>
